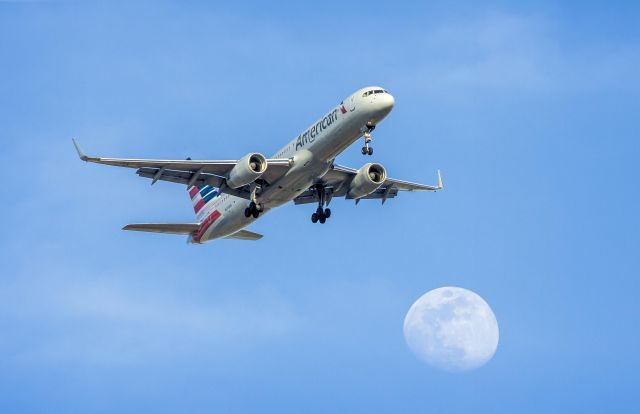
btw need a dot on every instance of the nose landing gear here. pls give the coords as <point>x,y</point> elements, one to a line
<point>322,214</point>
<point>367,150</point>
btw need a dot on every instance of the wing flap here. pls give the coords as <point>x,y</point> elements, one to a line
<point>180,177</point>
<point>168,228</point>
<point>382,193</point>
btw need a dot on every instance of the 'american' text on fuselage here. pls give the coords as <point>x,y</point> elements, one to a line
<point>310,134</point>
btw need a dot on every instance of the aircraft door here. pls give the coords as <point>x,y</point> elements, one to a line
<point>352,103</point>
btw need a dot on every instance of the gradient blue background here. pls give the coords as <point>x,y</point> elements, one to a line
<point>530,109</point>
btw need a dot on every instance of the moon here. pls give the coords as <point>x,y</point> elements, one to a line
<point>452,328</point>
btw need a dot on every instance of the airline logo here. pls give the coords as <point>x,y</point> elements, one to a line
<point>310,134</point>
<point>201,196</point>
<point>204,226</point>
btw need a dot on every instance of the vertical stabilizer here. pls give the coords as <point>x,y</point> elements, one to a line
<point>202,198</point>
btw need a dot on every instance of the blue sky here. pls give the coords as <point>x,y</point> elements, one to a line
<point>529,109</point>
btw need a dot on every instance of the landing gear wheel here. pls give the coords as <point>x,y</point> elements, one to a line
<point>322,214</point>
<point>367,129</point>
<point>253,210</point>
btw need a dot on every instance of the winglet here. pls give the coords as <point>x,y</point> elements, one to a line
<point>81,154</point>
<point>440,185</point>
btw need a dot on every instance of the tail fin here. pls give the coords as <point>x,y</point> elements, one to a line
<point>201,198</point>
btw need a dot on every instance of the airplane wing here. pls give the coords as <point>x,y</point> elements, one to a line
<point>338,178</point>
<point>190,172</point>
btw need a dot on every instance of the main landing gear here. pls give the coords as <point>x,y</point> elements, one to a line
<point>322,214</point>
<point>367,150</point>
<point>253,210</point>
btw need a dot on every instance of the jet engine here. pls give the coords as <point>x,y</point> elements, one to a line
<point>368,179</point>
<point>247,170</point>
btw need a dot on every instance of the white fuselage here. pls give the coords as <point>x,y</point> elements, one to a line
<point>312,153</point>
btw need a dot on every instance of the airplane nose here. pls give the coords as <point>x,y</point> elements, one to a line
<point>388,101</point>
<point>383,104</point>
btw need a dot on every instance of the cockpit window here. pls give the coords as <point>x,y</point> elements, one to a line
<point>367,93</point>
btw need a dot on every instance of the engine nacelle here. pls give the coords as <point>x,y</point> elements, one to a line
<point>368,179</point>
<point>247,170</point>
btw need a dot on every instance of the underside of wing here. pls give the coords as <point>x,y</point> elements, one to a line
<point>409,186</point>
<point>168,228</point>
<point>189,172</point>
<point>338,180</point>
<point>311,195</point>
<point>344,172</point>
<point>186,177</point>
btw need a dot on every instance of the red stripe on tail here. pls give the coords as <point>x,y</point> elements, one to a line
<point>205,225</point>
<point>198,205</point>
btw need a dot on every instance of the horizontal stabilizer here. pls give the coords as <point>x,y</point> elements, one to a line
<point>245,235</point>
<point>169,228</point>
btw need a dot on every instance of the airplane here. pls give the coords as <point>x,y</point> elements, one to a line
<point>229,195</point>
